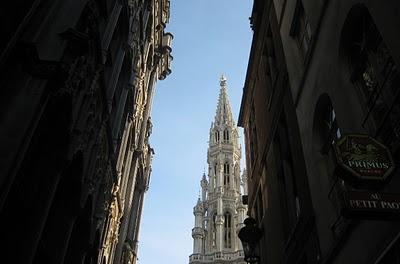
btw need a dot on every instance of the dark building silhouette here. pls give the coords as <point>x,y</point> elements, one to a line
<point>77,79</point>
<point>318,71</point>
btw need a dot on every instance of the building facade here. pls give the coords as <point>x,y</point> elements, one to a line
<point>318,72</point>
<point>77,82</point>
<point>219,213</point>
<point>133,166</point>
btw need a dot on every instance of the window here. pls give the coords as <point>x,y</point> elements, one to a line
<point>216,135</point>
<point>226,174</point>
<point>301,29</point>
<point>214,178</point>
<point>226,168</point>
<point>269,52</point>
<point>226,135</point>
<point>326,129</point>
<point>253,135</point>
<point>228,230</point>
<point>375,76</point>
<point>331,128</point>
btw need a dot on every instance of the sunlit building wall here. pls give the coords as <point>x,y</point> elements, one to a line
<point>219,212</point>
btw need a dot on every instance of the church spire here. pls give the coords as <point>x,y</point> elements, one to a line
<point>223,129</point>
<point>224,112</point>
<point>220,209</point>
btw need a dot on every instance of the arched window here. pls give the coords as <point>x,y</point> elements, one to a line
<point>326,129</point>
<point>226,168</point>
<point>374,74</point>
<point>252,134</point>
<point>216,135</point>
<point>226,174</point>
<point>228,230</point>
<point>226,135</point>
<point>214,178</point>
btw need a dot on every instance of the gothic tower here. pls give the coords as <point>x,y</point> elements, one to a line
<point>219,213</point>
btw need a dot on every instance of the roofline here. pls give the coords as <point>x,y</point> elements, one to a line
<point>254,26</point>
<point>246,83</point>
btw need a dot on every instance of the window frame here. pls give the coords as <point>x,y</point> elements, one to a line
<point>301,30</point>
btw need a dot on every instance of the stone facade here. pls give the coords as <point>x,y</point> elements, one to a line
<point>219,213</point>
<point>77,79</point>
<point>120,241</point>
<point>318,71</point>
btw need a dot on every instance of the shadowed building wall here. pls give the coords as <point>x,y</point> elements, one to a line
<point>319,70</point>
<point>75,77</point>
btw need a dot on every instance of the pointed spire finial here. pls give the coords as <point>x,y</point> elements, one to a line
<point>222,80</point>
<point>224,112</point>
<point>204,177</point>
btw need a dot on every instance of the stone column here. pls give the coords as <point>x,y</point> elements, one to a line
<point>241,209</point>
<point>244,182</point>
<point>219,222</point>
<point>197,231</point>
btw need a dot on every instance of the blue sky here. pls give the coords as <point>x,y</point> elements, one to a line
<point>211,37</point>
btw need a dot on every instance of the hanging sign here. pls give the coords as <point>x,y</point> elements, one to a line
<point>371,205</point>
<point>362,158</point>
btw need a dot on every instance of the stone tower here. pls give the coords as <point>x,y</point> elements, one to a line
<point>219,213</point>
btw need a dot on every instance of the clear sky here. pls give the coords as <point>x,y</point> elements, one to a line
<point>211,37</point>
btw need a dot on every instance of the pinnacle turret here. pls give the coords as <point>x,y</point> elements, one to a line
<point>199,207</point>
<point>204,178</point>
<point>244,182</point>
<point>204,186</point>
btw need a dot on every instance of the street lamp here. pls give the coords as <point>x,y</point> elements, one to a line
<point>250,234</point>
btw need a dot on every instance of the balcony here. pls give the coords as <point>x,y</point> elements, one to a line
<point>210,258</point>
<point>197,231</point>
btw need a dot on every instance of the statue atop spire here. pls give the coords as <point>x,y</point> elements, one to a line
<point>222,80</point>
